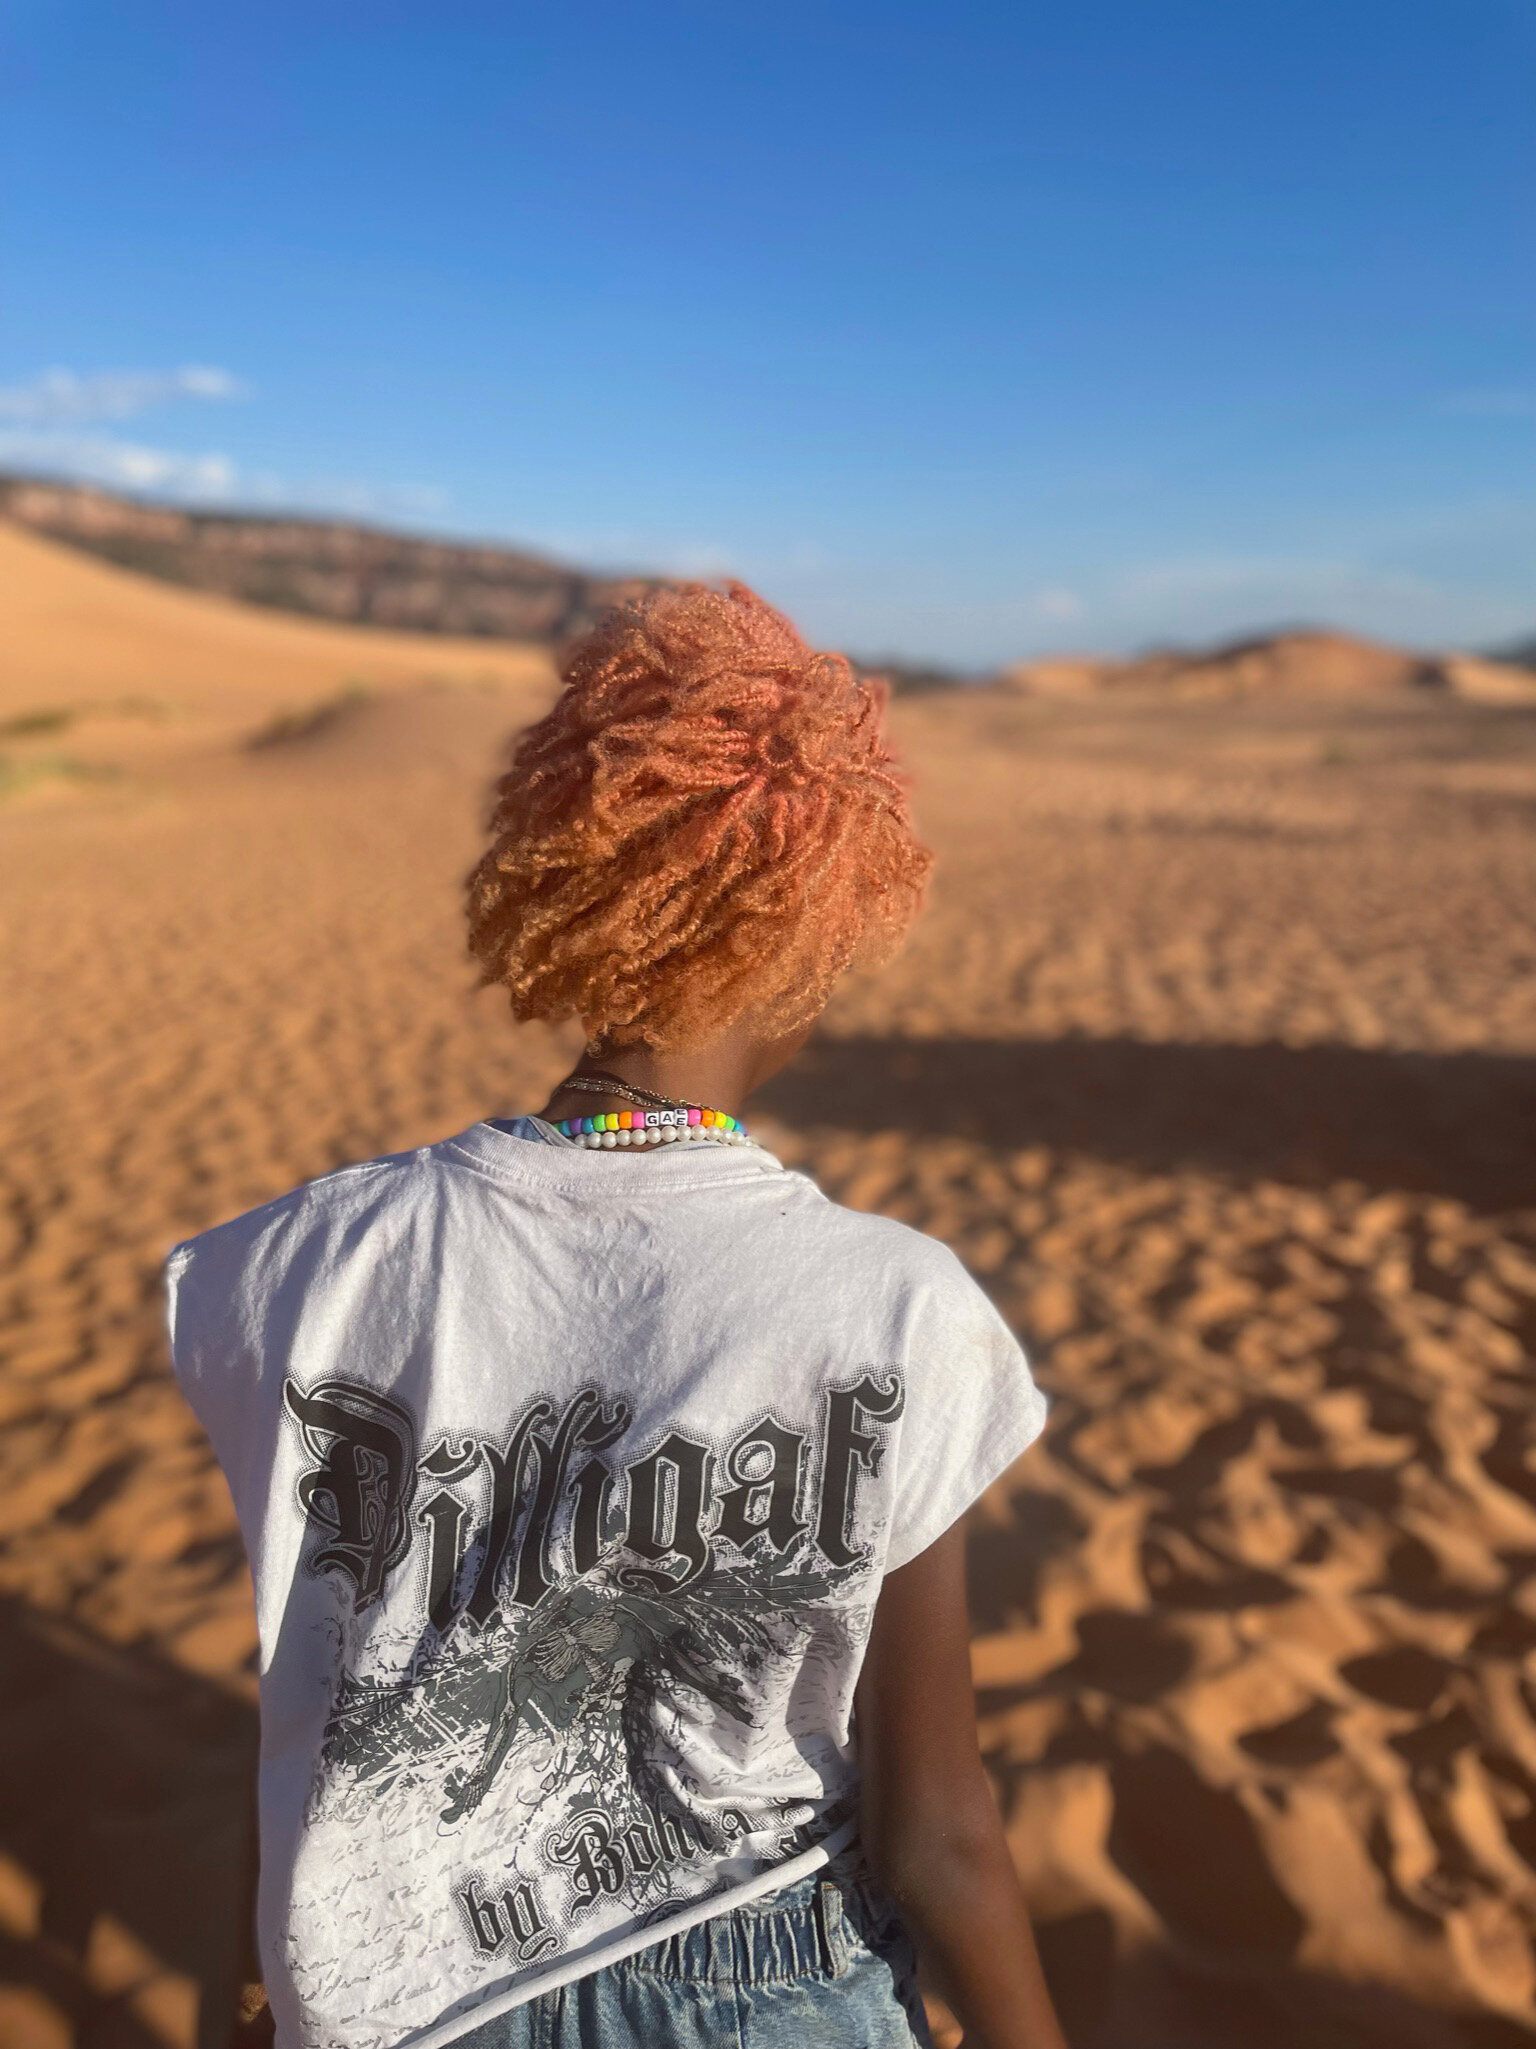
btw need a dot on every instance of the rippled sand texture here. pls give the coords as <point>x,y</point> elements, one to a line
<point>1216,1060</point>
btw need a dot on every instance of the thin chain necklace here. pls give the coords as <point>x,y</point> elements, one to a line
<point>601,1083</point>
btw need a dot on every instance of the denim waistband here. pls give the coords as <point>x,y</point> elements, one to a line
<point>808,1929</point>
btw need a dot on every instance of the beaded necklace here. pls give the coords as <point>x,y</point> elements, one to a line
<point>655,1120</point>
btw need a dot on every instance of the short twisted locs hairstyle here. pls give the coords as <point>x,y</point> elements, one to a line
<point>705,829</point>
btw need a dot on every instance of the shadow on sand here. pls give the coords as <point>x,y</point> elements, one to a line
<point>1456,1124</point>
<point>1153,2002</point>
<point>145,1825</point>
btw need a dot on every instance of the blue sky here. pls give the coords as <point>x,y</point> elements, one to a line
<point>961,330</point>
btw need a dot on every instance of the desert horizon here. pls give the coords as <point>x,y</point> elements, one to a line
<point>1214,1057</point>
<point>377,574</point>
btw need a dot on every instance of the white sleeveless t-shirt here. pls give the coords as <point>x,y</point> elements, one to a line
<point>568,1481</point>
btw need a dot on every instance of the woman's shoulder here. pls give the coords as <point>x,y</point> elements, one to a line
<point>880,1244</point>
<point>336,1194</point>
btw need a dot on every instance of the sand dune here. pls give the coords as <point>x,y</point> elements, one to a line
<point>83,636</point>
<point>1215,1059</point>
<point>1309,665</point>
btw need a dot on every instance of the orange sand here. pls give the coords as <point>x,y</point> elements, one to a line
<point>1215,1058</point>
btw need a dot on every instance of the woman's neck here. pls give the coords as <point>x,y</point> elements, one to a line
<point>719,1077</point>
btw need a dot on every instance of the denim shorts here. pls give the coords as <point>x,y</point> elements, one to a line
<point>823,1964</point>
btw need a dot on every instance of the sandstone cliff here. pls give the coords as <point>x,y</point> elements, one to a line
<point>331,569</point>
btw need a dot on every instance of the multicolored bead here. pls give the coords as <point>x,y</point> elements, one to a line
<point>613,1128</point>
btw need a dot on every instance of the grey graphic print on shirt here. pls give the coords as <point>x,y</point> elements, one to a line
<point>568,1642</point>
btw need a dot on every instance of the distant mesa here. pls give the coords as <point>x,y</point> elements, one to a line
<point>329,569</point>
<point>1304,663</point>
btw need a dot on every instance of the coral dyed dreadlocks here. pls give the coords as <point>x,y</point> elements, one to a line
<point>705,828</point>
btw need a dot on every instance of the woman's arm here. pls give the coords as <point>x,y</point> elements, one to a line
<point>930,1826</point>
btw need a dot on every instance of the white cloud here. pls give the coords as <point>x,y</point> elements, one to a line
<point>126,465</point>
<point>65,398</point>
<point>41,422</point>
<point>1056,606</point>
<point>40,431</point>
<point>1259,582</point>
<point>617,547</point>
<point>1197,599</point>
<point>347,495</point>
<point>209,478</point>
